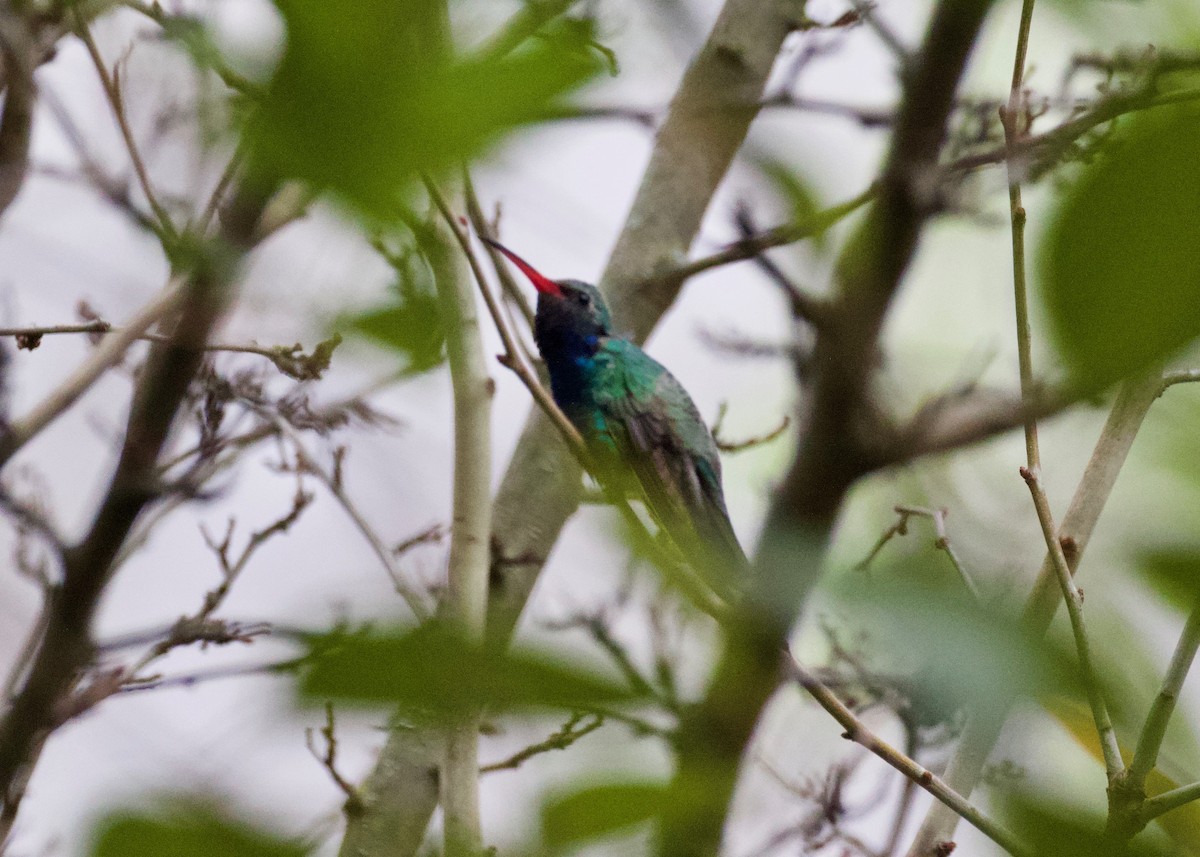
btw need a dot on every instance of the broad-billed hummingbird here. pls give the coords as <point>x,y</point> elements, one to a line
<point>637,419</point>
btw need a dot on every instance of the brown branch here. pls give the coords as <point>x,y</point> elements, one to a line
<point>354,803</point>
<point>19,50</point>
<point>858,732</point>
<point>66,647</point>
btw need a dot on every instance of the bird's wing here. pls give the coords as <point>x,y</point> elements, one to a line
<point>657,431</point>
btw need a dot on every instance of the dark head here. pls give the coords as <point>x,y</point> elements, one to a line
<point>571,314</point>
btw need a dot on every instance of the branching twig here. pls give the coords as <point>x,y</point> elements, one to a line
<point>858,732</point>
<point>306,463</point>
<point>941,542</point>
<point>354,804</point>
<point>291,360</point>
<point>730,446</point>
<point>112,91</point>
<point>571,732</point>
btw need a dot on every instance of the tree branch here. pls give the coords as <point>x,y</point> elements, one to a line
<point>858,732</point>
<point>19,49</point>
<point>465,602</point>
<point>982,727</point>
<point>66,646</point>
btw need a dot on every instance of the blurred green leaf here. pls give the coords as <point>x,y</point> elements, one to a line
<point>435,670</point>
<point>1053,829</point>
<point>1174,575</point>
<point>1121,260</point>
<point>367,95</point>
<point>600,810</point>
<point>955,649</point>
<point>801,199</point>
<point>410,324</point>
<point>188,831</point>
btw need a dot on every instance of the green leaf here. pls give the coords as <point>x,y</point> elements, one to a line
<point>367,95</point>
<point>188,831</point>
<point>433,669</point>
<point>802,199</point>
<point>1051,828</point>
<point>410,325</point>
<point>600,810</point>
<point>949,648</point>
<point>1121,260</point>
<point>1174,575</point>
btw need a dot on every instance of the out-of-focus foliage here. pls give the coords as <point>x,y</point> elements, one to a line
<point>434,669</point>
<point>600,810</point>
<point>802,200</point>
<point>409,324</point>
<point>1120,262</point>
<point>1181,825</point>
<point>957,649</point>
<point>1174,575</point>
<point>188,830</point>
<point>1053,829</point>
<point>368,94</point>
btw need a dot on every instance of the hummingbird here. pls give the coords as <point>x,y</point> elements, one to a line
<point>638,421</point>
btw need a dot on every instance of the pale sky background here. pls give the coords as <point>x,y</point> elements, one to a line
<point>565,191</point>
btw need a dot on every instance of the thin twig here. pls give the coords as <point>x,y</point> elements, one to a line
<point>560,740</point>
<point>112,92</point>
<point>308,464</point>
<point>328,759</point>
<point>941,542</point>
<point>1113,763</point>
<point>1014,118</point>
<point>858,732</point>
<point>752,247</point>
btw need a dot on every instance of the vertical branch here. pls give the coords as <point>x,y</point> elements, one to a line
<point>1014,118</point>
<point>18,48</point>
<point>466,596</point>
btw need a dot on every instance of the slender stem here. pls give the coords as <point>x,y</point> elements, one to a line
<point>859,733</point>
<point>751,247</point>
<point>1155,728</point>
<point>113,93</point>
<point>103,328</point>
<point>1108,736</point>
<point>1168,801</point>
<point>465,602</point>
<point>1014,119</point>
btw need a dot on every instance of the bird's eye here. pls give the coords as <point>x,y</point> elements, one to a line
<point>584,298</point>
